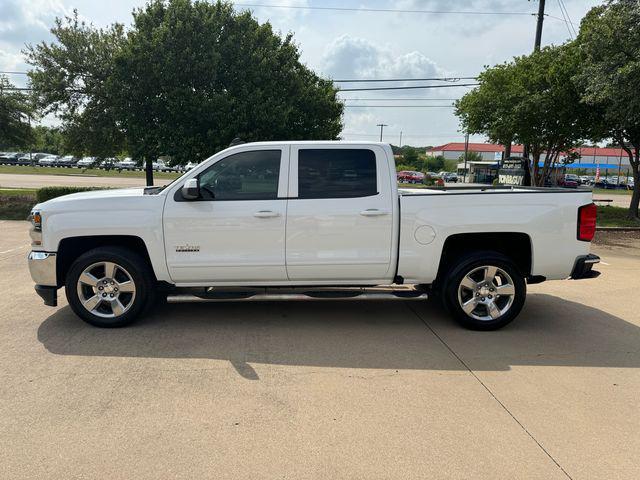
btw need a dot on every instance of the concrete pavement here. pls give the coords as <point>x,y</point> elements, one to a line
<point>323,390</point>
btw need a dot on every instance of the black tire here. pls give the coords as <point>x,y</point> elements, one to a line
<point>474,262</point>
<point>137,268</point>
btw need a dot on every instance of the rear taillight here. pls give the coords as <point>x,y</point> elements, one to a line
<point>587,222</point>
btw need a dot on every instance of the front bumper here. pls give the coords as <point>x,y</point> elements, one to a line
<point>583,268</point>
<point>42,266</point>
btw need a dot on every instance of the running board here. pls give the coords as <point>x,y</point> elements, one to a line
<point>278,295</point>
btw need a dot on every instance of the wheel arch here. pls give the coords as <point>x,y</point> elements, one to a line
<point>71,248</point>
<point>515,246</point>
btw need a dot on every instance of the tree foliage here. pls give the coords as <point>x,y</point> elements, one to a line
<point>195,75</point>
<point>71,80</point>
<point>183,81</point>
<point>531,100</point>
<point>609,42</point>
<point>15,112</point>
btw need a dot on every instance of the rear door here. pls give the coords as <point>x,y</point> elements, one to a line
<point>339,214</point>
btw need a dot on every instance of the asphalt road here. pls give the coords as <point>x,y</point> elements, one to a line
<point>17,180</point>
<point>323,390</point>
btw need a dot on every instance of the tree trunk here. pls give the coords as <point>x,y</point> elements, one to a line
<point>507,151</point>
<point>148,169</point>
<point>635,198</point>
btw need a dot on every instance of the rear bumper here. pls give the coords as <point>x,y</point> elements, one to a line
<point>583,268</point>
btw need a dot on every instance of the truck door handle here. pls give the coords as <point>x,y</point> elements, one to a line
<point>266,214</point>
<point>373,212</point>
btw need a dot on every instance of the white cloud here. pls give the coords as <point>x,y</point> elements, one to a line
<point>351,57</point>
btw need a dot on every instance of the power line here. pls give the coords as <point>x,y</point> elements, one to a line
<point>13,73</point>
<point>566,22</point>
<point>407,87</point>
<point>398,106</point>
<point>434,99</point>
<point>380,10</point>
<point>566,14</point>
<point>435,79</point>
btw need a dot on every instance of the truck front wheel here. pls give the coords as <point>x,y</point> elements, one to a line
<point>109,286</point>
<point>485,291</point>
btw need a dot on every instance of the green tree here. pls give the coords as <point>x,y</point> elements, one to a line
<point>471,157</point>
<point>186,79</point>
<point>195,75</point>
<point>434,164</point>
<point>410,156</point>
<point>15,113</point>
<point>533,100</point>
<point>70,79</point>
<point>609,41</point>
<point>48,139</point>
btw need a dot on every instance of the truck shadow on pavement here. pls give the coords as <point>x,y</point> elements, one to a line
<point>376,335</point>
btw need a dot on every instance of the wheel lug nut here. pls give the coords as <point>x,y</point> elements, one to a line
<point>104,294</point>
<point>111,295</point>
<point>100,287</point>
<point>490,296</point>
<point>482,299</point>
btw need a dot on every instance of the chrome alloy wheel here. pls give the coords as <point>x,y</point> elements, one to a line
<point>106,289</point>
<point>486,293</point>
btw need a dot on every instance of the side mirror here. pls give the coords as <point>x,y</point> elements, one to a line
<point>191,189</point>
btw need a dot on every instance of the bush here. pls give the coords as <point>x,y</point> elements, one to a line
<point>47,193</point>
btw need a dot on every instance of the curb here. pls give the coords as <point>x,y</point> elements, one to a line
<point>617,229</point>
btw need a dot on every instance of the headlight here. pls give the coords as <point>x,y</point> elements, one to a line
<point>36,231</point>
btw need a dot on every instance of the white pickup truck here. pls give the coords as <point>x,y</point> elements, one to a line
<point>317,219</point>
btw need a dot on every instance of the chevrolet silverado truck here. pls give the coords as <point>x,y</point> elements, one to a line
<point>274,220</point>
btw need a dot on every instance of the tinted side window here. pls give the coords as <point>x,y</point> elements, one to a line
<point>336,173</point>
<point>243,176</point>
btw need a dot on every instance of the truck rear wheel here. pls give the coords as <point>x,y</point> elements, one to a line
<point>109,286</point>
<point>484,291</point>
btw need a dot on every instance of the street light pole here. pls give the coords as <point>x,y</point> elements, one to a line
<point>381,125</point>
<point>400,139</point>
<point>466,150</point>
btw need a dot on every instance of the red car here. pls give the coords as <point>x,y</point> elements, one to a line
<point>408,176</point>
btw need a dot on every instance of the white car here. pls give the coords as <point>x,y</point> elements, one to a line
<point>127,164</point>
<point>67,161</point>
<point>190,166</point>
<point>86,162</point>
<point>322,220</point>
<point>48,161</point>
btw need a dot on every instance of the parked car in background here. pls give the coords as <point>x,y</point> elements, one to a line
<point>571,181</point>
<point>33,158</point>
<point>450,177</point>
<point>189,166</point>
<point>67,161</point>
<point>109,163</point>
<point>87,162</point>
<point>48,161</point>
<point>127,164</point>
<point>11,158</point>
<point>410,176</point>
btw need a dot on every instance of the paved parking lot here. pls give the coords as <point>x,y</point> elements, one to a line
<point>17,180</point>
<point>323,390</point>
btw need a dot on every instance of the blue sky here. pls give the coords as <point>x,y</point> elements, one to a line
<point>354,44</point>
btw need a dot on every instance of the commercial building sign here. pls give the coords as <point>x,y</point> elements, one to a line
<point>514,171</point>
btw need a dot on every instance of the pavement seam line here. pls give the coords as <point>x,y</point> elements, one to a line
<point>504,407</point>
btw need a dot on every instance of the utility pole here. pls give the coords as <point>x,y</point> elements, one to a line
<point>539,25</point>
<point>381,125</point>
<point>466,150</point>
<point>400,138</point>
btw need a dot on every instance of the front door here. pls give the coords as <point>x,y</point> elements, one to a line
<point>236,231</point>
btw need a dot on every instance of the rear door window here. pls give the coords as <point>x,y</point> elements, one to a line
<point>336,173</point>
